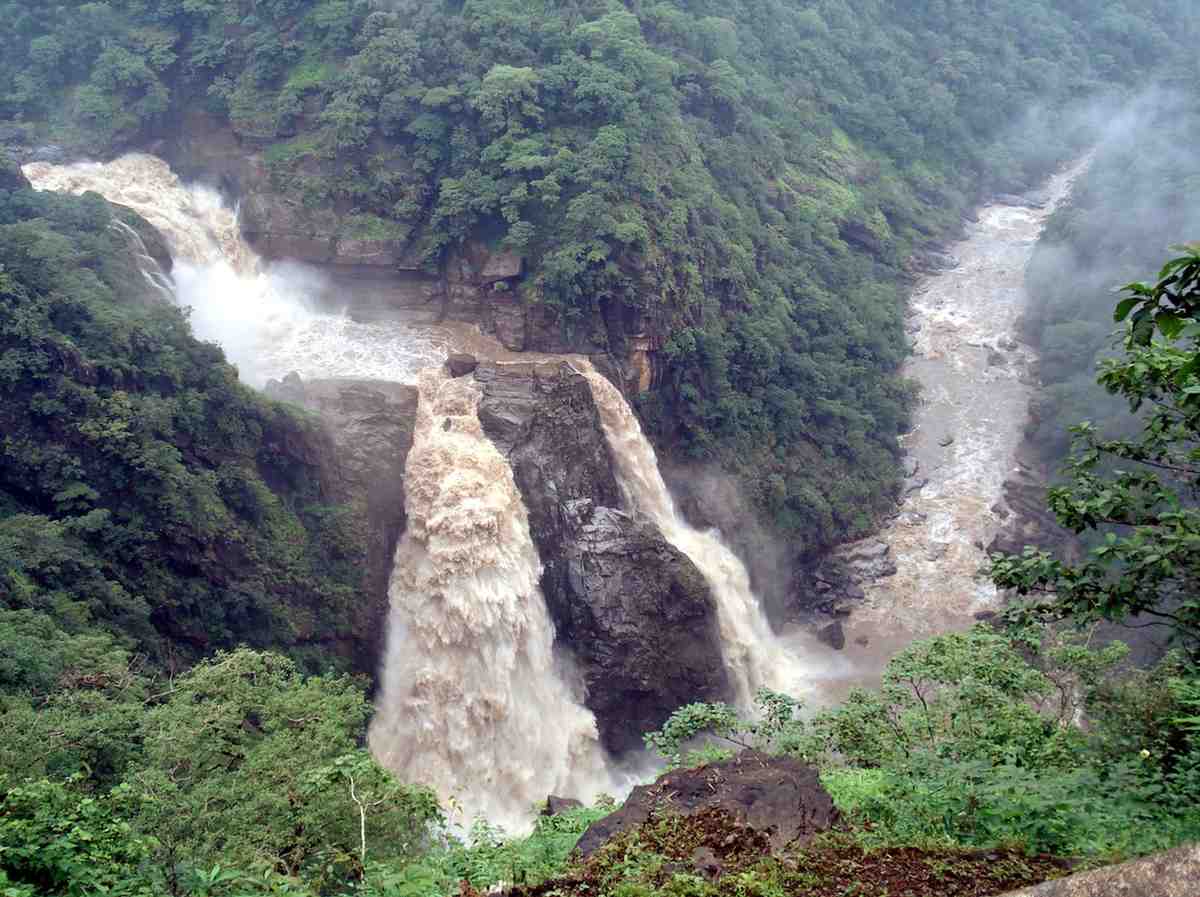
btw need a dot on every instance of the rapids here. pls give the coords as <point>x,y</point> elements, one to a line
<point>977,379</point>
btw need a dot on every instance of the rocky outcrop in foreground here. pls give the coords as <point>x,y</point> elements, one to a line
<point>777,796</point>
<point>1175,873</point>
<point>637,614</point>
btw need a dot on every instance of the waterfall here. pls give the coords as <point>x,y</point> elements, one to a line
<point>158,279</point>
<point>754,656</point>
<point>472,702</point>
<point>270,319</point>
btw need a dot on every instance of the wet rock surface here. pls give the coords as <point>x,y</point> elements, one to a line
<point>371,424</point>
<point>778,797</point>
<point>634,610</point>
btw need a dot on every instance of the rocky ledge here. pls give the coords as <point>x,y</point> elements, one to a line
<point>776,796</point>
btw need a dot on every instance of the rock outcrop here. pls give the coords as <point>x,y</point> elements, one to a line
<point>634,610</point>
<point>778,796</point>
<point>371,423</point>
<point>1175,873</point>
<point>11,177</point>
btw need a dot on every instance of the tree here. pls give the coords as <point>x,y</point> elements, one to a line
<point>1137,494</point>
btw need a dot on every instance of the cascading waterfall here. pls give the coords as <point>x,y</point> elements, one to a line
<point>267,318</point>
<point>472,701</point>
<point>754,657</point>
<point>158,279</point>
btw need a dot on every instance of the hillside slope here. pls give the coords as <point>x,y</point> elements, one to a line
<point>739,185</point>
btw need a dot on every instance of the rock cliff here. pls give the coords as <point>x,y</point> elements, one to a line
<point>635,611</point>
<point>371,423</point>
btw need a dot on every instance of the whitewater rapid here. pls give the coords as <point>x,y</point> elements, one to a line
<point>271,319</point>
<point>977,379</point>
<point>473,701</point>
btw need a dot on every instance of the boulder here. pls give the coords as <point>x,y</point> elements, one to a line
<point>636,613</point>
<point>459,365</point>
<point>777,796</point>
<point>640,619</point>
<point>833,635</point>
<point>556,805</point>
<point>1175,873</point>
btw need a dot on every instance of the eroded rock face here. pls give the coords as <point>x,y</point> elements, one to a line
<point>778,796</point>
<point>371,423</point>
<point>635,611</point>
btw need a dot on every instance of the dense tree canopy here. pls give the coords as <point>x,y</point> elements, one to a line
<point>749,177</point>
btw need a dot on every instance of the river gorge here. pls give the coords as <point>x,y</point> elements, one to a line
<point>546,601</point>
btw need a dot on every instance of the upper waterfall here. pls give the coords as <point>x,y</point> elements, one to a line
<point>270,319</point>
<point>472,700</point>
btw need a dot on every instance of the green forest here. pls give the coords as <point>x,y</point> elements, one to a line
<point>179,710</point>
<point>750,177</point>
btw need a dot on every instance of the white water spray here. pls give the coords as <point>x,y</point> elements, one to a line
<point>267,318</point>
<point>472,702</point>
<point>754,657</point>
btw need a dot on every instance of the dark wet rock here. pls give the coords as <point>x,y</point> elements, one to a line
<point>777,796</point>
<point>51,153</point>
<point>501,266</point>
<point>556,805</point>
<point>636,613</point>
<point>640,619</point>
<point>867,561</point>
<point>833,635</point>
<point>459,364</point>
<point>996,359</point>
<point>1175,873</point>
<point>371,423</point>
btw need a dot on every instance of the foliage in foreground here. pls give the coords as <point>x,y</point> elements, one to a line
<point>969,744</point>
<point>1136,495</point>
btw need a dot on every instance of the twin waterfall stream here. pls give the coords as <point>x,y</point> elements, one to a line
<point>474,701</point>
